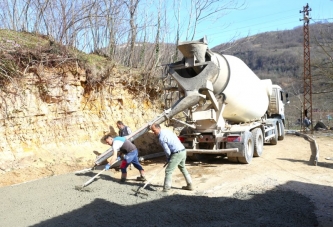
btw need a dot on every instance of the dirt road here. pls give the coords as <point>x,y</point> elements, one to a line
<point>281,188</point>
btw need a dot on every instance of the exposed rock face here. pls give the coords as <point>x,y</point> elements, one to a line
<point>53,116</point>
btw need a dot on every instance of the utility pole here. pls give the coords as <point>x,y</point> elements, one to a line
<point>307,93</point>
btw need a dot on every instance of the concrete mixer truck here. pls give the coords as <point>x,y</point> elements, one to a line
<point>224,108</point>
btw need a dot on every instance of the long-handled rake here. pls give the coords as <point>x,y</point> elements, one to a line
<point>139,190</point>
<point>85,170</point>
<point>80,188</point>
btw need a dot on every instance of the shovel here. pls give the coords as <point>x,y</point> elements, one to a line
<point>139,190</point>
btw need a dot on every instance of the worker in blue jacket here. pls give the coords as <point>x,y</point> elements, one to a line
<point>176,156</point>
<point>128,152</point>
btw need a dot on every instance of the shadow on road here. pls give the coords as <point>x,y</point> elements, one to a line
<point>320,163</point>
<point>277,207</point>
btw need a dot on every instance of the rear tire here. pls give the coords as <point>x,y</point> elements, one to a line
<point>281,128</point>
<point>258,142</point>
<point>275,138</point>
<point>247,149</point>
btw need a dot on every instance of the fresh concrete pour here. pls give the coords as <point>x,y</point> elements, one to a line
<point>54,201</point>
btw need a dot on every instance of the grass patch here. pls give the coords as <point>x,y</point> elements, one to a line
<point>37,43</point>
<point>24,40</point>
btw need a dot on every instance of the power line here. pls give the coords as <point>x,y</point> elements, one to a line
<point>269,15</point>
<point>251,26</point>
<point>254,25</point>
<point>265,23</point>
<point>258,17</point>
<point>322,19</point>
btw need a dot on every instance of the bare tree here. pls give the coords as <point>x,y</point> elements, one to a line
<point>107,25</point>
<point>203,10</point>
<point>40,8</point>
<point>177,7</point>
<point>9,10</point>
<point>112,14</point>
<point>132,6</point>
<point>22,17</point>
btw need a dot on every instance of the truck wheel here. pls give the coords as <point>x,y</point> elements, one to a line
<point>258,142</point>
<point>275,138</point>
<point>281,128</point>
<point>247,149</point>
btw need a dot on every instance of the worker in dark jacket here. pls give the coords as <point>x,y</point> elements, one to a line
<point>128,153</point>
<point>123,129</point>
<point>176,156</point>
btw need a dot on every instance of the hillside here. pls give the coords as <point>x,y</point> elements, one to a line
<point>279,55</point>
<point>56,103</point>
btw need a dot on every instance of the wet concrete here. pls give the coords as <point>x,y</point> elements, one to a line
<point>54,201</point>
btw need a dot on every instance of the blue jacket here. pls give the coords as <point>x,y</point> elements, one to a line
<point>170,142</point>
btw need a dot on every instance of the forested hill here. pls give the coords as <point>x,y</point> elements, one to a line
<point>279,55</point>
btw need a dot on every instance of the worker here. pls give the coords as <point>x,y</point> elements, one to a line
<point>307,122</point>
<point>176,156</point>
<point>127,152</point>
<point>123,129</point>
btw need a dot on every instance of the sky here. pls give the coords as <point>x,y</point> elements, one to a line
<point>259,16</point>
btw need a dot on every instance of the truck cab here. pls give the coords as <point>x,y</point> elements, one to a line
<point>276,103</point>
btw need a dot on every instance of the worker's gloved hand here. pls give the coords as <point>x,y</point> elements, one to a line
<point>118,158</point>
<point>107,166</point>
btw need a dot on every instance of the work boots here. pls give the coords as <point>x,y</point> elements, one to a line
<point>188,187</point>
<point>188,182</point>
<point>167,183</point>
<point>123,177</point>
<point>166,189</point>
<point>141,177</point>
